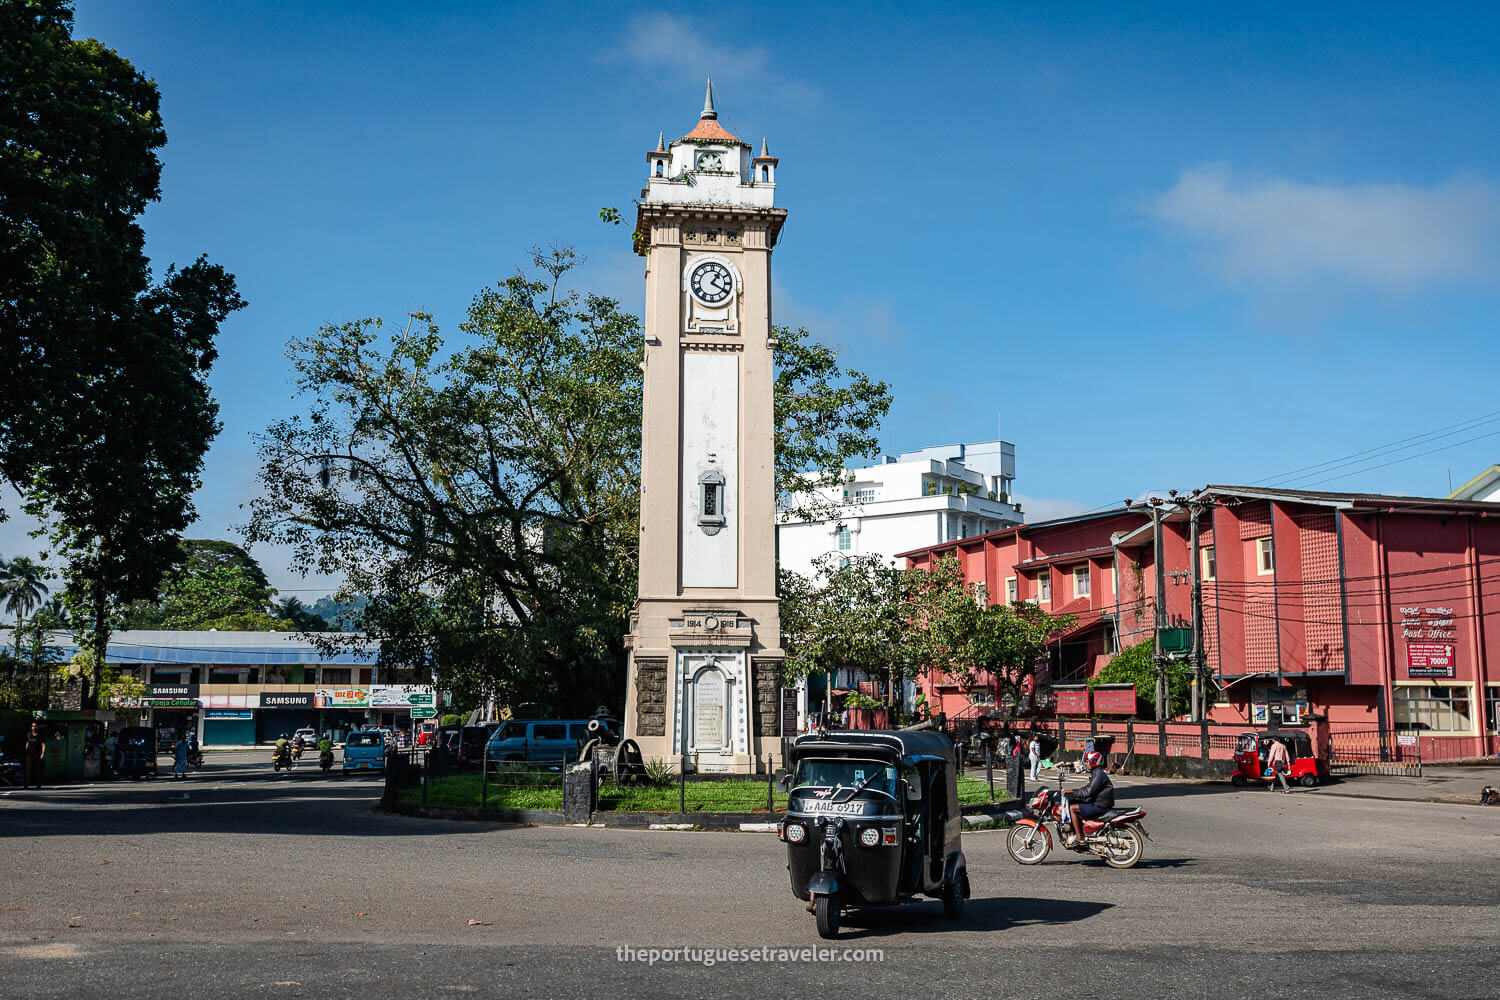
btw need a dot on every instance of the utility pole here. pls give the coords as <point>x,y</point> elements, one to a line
<point>1200,687</point>
<point>1160,610</point>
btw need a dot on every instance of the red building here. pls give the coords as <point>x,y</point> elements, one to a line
<point>1338,611</point>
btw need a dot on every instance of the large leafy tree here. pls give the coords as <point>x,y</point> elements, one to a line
<point>854,614</point>
<point>485,493</point>
<point>969,639</point>
<point>105,412</point>
<point>216,585</point>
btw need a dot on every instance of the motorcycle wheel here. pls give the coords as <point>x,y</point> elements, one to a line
<point>1028,850</point>
<point>1123,847</point>
<point>826,909</point>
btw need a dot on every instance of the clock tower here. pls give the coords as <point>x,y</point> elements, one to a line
<point>705,636</point>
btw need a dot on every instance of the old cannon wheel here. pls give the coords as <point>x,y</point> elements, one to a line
<point>629,764</point>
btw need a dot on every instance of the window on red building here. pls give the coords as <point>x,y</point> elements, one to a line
<point>1439,708</point>
<point>1081,580</point>
<point>1210,568</point>
<point>1044,587</point>
<point>1267,557</point>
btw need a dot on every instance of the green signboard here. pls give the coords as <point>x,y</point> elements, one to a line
<point>423,711</point>
<point>417,698</point>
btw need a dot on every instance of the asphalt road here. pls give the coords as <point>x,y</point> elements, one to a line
<point>238,883</point>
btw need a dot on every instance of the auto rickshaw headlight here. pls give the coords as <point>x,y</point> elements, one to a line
<point>795,832</point>
<point>870,837</point>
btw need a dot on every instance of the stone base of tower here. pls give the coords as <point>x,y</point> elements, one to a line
<point>703,691</point>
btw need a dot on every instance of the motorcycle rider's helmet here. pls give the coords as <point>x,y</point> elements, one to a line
<point>1093,759</point>
<point>283,736</point>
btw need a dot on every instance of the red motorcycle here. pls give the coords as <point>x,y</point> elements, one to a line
<point>1117,836</point>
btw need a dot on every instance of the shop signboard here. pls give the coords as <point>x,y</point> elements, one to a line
<point>173,702</point>
<point>1071,701</point>
<point>1429,659</point>
<point>343,698</point>
<point>174,691</point>
<point>1114,699</point>
<point>228,713</point>
<point>286,699</point>
<point>399,695</point>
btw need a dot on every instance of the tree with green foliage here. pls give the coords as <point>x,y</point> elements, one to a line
<point>855,614</point>
<point>486,494</point>
<point>969,639</point>
<point>1137,665</point>
<point>105,411</point>
<point>22,589</point>
<point>216,580</point>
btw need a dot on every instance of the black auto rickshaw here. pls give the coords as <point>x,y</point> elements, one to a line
<point>135,753</point>
<point>872,820</point>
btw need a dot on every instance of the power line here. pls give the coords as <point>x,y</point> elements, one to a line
<point>1462,425</point>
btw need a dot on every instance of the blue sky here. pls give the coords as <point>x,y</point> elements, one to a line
<point>1153,250</point>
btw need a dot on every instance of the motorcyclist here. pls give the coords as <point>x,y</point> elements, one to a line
<point>325,749</point>
<point>283,746</point>
<point>1093,800</point>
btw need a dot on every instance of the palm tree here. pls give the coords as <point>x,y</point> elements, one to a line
<point>288,608</point>
<point>21,590</point>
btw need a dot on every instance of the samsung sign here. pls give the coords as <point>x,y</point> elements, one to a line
<point>286,699</point>
<point>174,690</point>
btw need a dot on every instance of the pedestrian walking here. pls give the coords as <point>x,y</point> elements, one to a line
<point>1034,758</point>
<point>179,762</point>
<point>1280,762</point>
<point>33,752</point>
<point>112,751</point>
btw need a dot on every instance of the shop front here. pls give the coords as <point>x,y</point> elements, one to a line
<point>228,727</point>
<point>282,713</point>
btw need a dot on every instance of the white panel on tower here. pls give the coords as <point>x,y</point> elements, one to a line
<point>710,469</point>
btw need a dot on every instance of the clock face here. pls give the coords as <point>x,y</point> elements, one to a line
<point>711,282</point>
<point>710,161</point>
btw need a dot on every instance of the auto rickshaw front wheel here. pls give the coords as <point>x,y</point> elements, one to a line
<point>1237,780</point>
<point>826,909</point>
<point>1309,780</point>
<point>953,896</point>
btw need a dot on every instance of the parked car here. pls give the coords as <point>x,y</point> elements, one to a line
<point>539,741</point>
<point>471,742</point>
<point>309,736</point>
<point>364,750</point>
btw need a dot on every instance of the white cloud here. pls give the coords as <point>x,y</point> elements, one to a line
<point>662,43</point>
<point>1390,237</point>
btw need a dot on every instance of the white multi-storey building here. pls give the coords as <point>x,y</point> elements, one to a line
<point>918,498</point>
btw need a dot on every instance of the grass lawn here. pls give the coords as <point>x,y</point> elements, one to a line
<point>545,792</point>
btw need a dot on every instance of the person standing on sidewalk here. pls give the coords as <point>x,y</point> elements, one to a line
<point>33,752</point>
<point>1280,762</point>
<point>180,757</point>
<point>1034,758</point>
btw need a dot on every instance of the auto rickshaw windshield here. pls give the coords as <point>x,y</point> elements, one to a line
<point>846,774</point>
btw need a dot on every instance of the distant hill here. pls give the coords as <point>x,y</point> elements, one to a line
<point>341,616</point>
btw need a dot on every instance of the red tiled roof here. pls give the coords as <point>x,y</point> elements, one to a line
<point>709,130</point>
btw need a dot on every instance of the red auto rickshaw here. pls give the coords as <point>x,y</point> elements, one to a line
<point>1250,758</point>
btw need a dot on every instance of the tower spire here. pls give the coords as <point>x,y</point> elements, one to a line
<point>763,147</point>
<point>661,142</point>
<point>708,102</point>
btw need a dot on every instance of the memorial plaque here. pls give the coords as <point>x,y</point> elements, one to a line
<point>708,710</point>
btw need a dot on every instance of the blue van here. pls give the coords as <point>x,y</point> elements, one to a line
<point>364,750</point>
<point>539,741</point>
